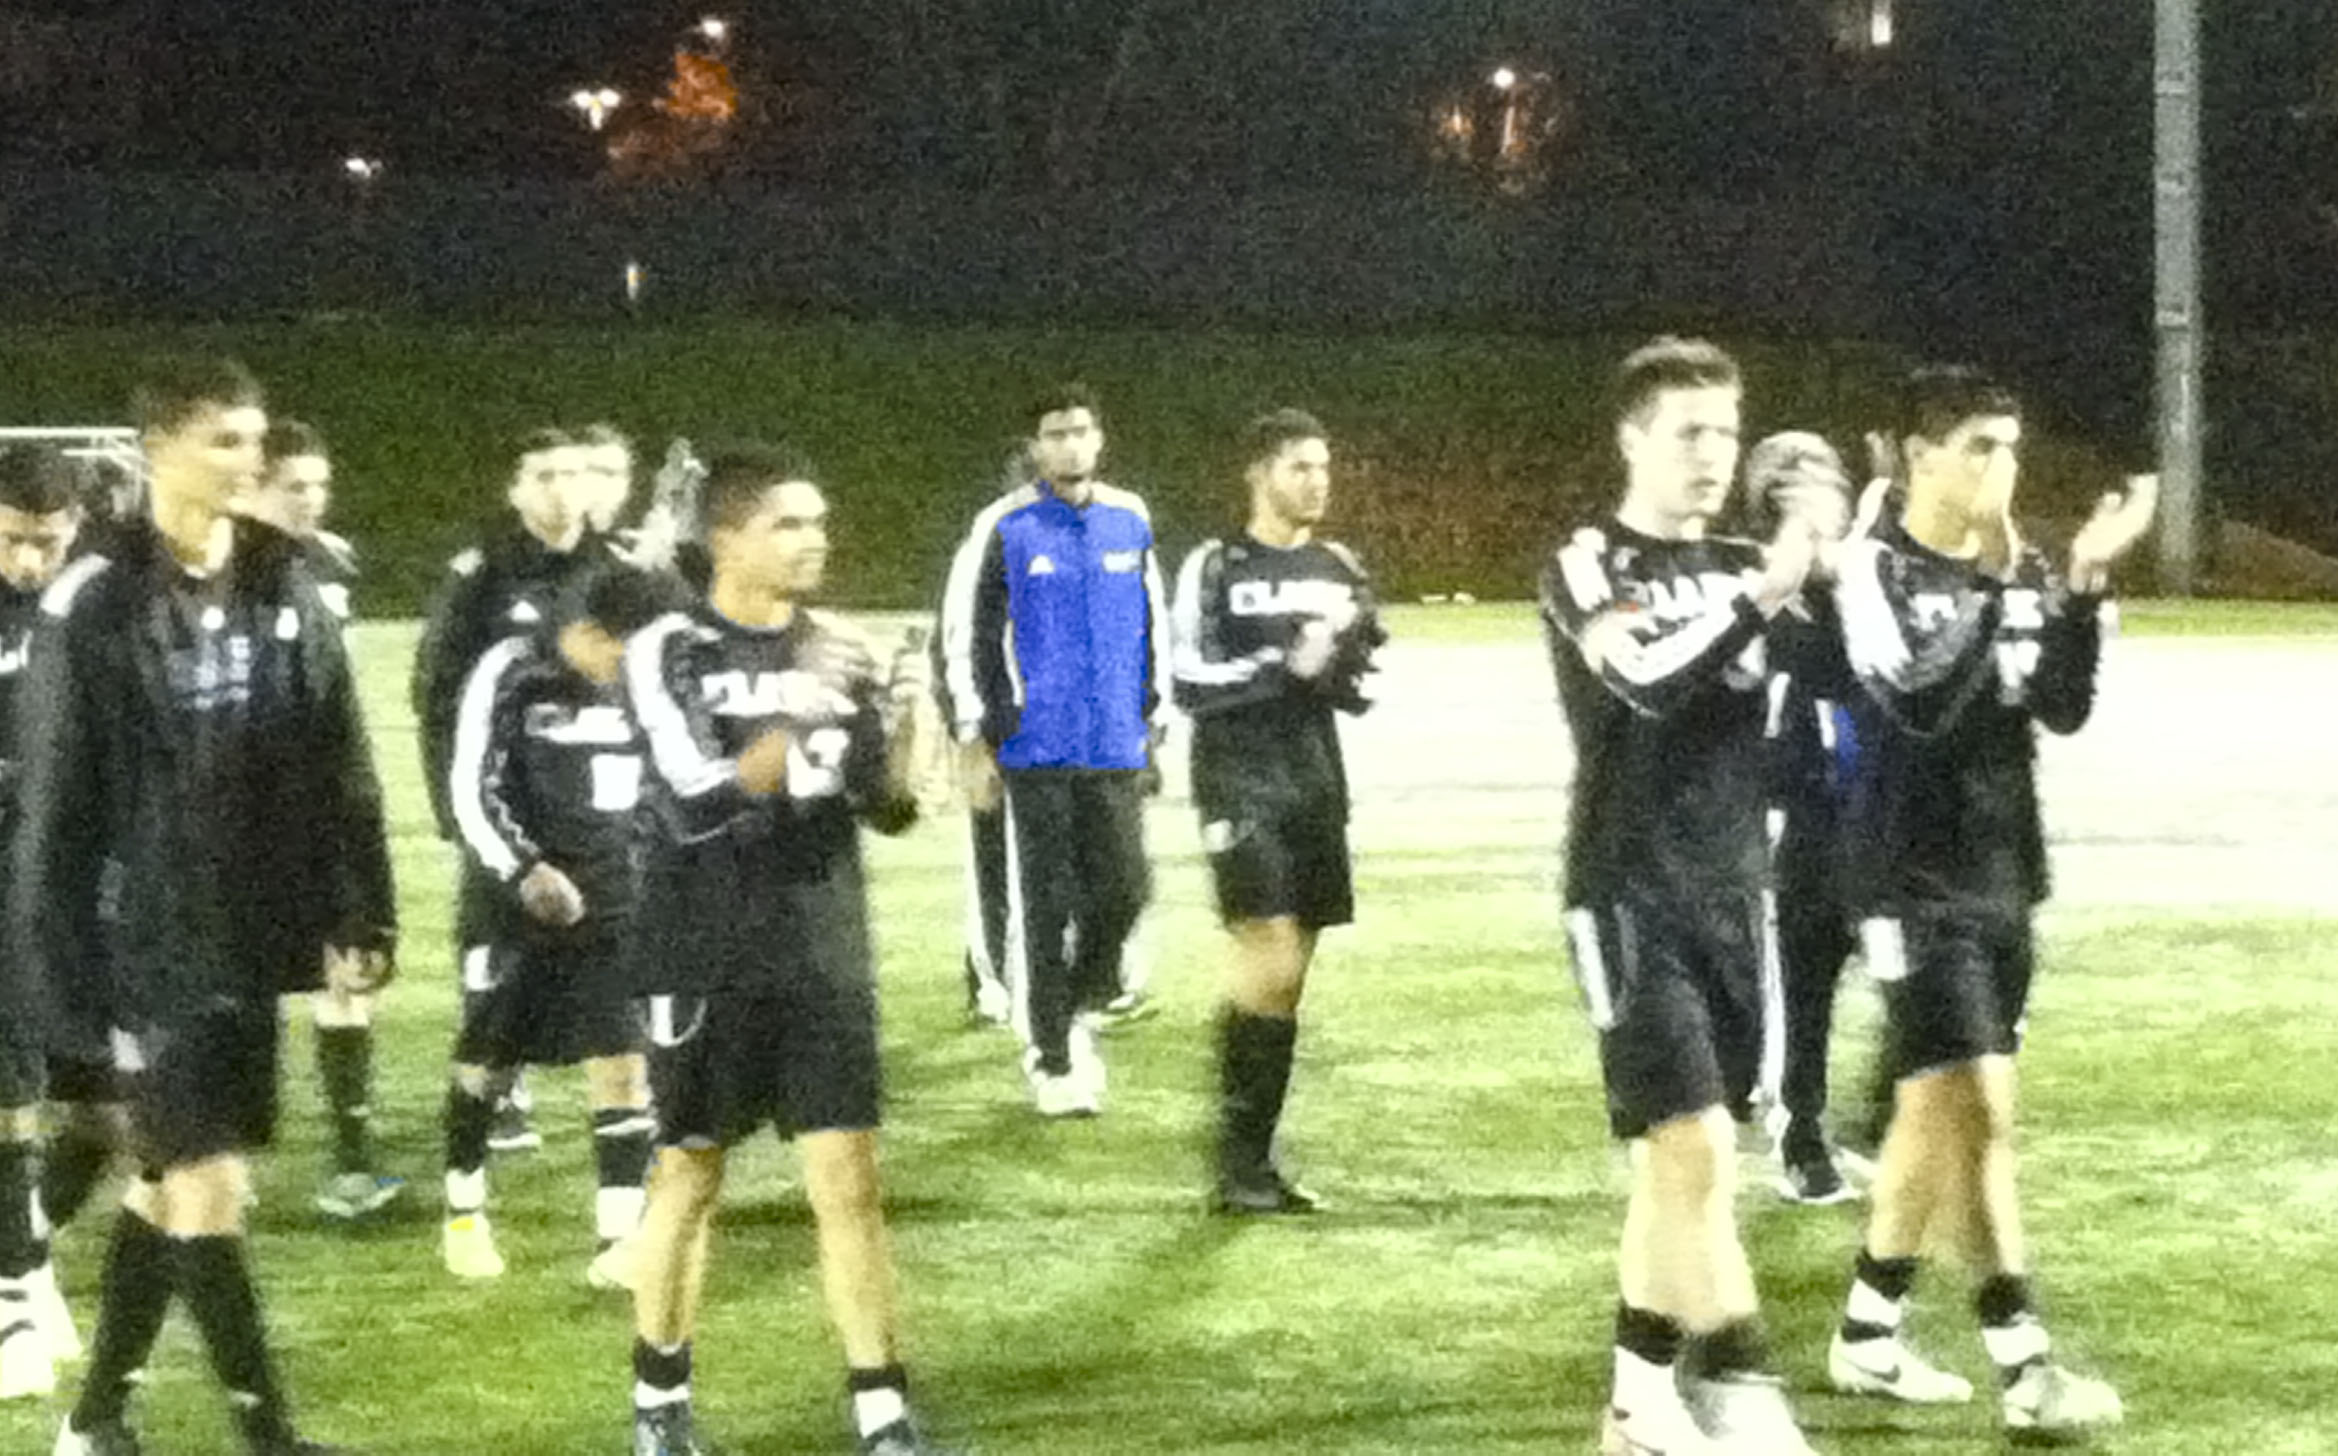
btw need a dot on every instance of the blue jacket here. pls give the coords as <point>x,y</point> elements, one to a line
<point>1055,631</point>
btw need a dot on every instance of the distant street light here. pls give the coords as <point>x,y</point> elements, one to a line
<point>1880,28</point>
<point>1504,78</point>
<point>362,170</point>
<point>715,28</point>
<point>596,104</point>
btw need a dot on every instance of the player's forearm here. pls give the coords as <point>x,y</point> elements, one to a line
<point>1657,678</point>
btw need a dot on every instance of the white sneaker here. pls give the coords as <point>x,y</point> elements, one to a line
<point>1887,1367</point>
<point>468,1244</point>
<point>1066,1094</point>
<point>1663,1429</point>
<point>26,1371</point>
<point>991,1005</point>
<point>2055,1401</point>
<point>53,1316</point>
<point>617,1266</point>
<point>1747,1414</point>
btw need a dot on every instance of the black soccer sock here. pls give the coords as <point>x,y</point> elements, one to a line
<point>218,1286</point>
<point>1647,1347</point>
<point>1879,1293</point>
<point>880,1398</point>
<point>77,1159</point>
<point>621,1155</point>
<point>661,1377</point>
<point>1254,1075</point>
<point>20,1243</point>
<point>1740,1347</point>
<point>134,1294</point>
<point>468,1119</point>
<point>2010,1329</point>
<point>345,1066</point>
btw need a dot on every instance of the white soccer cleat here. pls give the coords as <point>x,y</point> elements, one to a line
<point>617,1266</point>
<point>1747,1414</point>
<point>991,1006</point>
<point>1887,1367</point>
<point>52,1315</point>
<point>26,1370</point>
<point>468,1244</point>
<point>2051,1400</point>
<point>1087,1058</point>
<point>1064,1096</point>
<point>1662,1429</point>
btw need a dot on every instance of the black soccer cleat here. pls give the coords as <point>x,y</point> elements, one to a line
<point>1808,1173</point>
<point>1268,1194</point>
<point>899,1439</point>
<point>668,1431</point>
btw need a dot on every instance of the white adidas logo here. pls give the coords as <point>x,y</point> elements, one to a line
<point>1041,566</point>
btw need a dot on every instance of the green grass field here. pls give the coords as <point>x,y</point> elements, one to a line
<point>1065,1293</point>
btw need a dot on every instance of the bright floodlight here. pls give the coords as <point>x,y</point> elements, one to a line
<point>1504,79</point>
<point>595,104</point>
<point>1880,30</point>
<point>362,169</point>
<point>714,28</point>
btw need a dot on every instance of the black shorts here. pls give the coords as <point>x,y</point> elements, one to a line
<point>1684,993</point>
<point>1281,864</point>
<point>86,1081</point>
<point>1956,988</point>
<point>547,1003</point>
<point>203,1085</point>
<point>801,1057</point>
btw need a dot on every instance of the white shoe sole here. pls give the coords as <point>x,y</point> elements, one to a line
<point>1850,1378</point>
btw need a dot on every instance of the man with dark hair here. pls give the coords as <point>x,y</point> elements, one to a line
<point>770,738</point>
<point>1656,633</point>
<point>40,511</point>
<point>1963,642</point>
<point>546,776</point>
<point>294,491</point>
<point>1055,638</point>
<point>553,536</point>
<point>1274,633</point>
<point>192,752</point>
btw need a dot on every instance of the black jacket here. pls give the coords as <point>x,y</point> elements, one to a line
<point>199,815</point>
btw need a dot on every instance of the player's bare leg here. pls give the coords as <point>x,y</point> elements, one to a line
<point>856,1270</point>
<point>617,1088</point>
<point>1266,976</point>
<point>670,1277</point>
<point>1948,1170</point>
<point>184,1232</point>
<point>343,1017</point>
<point>1688,1291</point>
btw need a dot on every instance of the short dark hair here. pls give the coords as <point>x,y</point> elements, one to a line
<point>739,476</point>
<point>618,598</point>
<point>1669,362</point>
<point>292,439</point>
<point>173,389</point>
<point>1936,398</point>
<point>1062,397</point>
<point>1265,437</point>
<point>40,479</point>
<point>543,438</point>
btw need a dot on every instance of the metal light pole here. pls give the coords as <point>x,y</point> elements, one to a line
<point>2176,227</point>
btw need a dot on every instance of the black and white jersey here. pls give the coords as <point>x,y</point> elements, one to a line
<point>547,770</point>
<point>1264,740</point>
<point>731,878</point>
<point>1954,666</point>
<point>199,810</point>
<point>1670,788</point>
<point>512,583</point>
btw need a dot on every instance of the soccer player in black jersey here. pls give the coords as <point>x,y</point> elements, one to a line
<point>1656,632</point>
<point>192,754</point>
<point>562,503</point>
<point>1964,642</point>
<point>294,492</point>
<point>771,738</point>
<point>40,513</point>
<point>546,776</point>
<point>1274,632</point>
